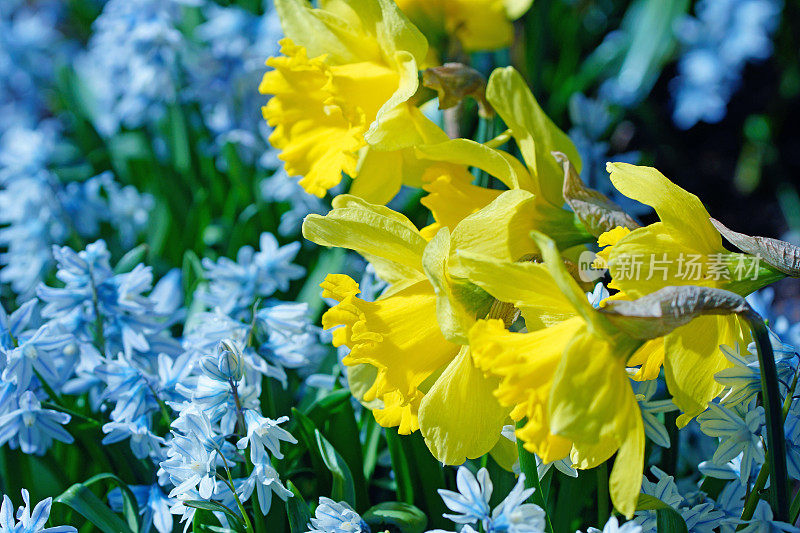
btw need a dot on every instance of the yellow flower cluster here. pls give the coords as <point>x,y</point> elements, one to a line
<point>484,321</point>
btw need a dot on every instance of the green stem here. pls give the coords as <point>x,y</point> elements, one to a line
<point>771,399</point>
<point>247,524</point>
<point>527,463</point>
<point>602,493</point>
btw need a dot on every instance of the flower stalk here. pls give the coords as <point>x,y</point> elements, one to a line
<point>770,396</point>
<point>527,463</point>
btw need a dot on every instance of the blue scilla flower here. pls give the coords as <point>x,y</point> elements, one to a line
<point>128,387</point>
<point>738,433</point>
<point>762,522</point>
<point>126,314</point>
<point>31,427</point>
<point>653,427</point>
<point>282,188</point>
<point>613,526</point>
<point>131,60</point>
<point>731,503</point>
<point>154,506</point>
<point>12,326</point>
<point>235,285</point>
<point>265,481</point>
<point>27,520</point>
<point>336,517</point>
<point>743,380</point>
<point>718,42</point>
<point>513,515</point>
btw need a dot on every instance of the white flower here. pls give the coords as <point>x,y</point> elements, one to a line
<point>514,516</point>
<point>264,434</point>
<point>265,480</point>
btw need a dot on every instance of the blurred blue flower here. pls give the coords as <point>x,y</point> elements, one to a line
<point>154,506</point>
<point>471,503</point>
<point>717,43</point>
<point>28,520</point>
<point>143,442</point>
<point>31,427</point>
<point>131,60</point>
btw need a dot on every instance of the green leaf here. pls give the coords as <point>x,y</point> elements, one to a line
<point>130,509</point>
<point>402,474</point>
<point>297,510</point>
<point>396,516</point>
<point>343,488</point>
<point>213,506</point>
<point>668,519</point>
<point>89,506</point>
<point>132,258</point>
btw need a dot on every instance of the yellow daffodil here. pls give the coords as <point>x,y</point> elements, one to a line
<point>452,196</point>
<point>475,24</point>
<point>408,348</point>
<point>567,374</point>
<point>341,83</point>
<point>683,248</point>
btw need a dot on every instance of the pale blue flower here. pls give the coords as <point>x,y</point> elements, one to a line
<point>702,518</point>
<point>227,366</point>
<point>613,526</point>
<point>27,520</point>
<point>333,517</point>
<point>471,503</point>
<point>731,502</point>
<point>653,427</point>
<point>190,466</point>
<point>39,351</point>
<point>33,428</point>
<point>515,516</point>
<point>665,490</point>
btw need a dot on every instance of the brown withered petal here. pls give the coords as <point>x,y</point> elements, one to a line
<point>660,312</point>
<point>781,255</point>
<point>456,81</point>
<point>595,210</point>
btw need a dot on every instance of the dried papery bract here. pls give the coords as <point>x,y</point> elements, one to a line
<point>660,312</point>
<point>782,255</point>
<point>597,213</point>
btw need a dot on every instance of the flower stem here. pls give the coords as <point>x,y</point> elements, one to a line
<point>247,524</point>
<point>602,493</point>
<point>770,397</point>
<point>527,463</point>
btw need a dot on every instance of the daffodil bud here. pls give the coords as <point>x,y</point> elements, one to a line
<point>456,81</point>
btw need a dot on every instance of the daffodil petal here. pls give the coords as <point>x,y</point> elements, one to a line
<point>459,417</point>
